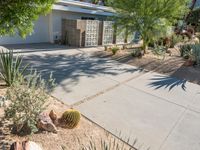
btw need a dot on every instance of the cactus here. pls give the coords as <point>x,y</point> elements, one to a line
<point>70,118</point>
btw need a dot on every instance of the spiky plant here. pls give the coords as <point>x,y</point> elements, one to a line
<point>195,50</point>
<point>111,143</point>
<point>70,118</point>
<point>11,67</point>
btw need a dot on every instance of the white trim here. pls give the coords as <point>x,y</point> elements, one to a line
<point>85,5</point>
<point>81,10</point>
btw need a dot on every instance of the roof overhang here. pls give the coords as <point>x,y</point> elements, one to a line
<point>82,10</point>
<point>84,5</point>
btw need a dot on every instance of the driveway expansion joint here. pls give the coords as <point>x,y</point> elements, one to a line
<point>107,90</point>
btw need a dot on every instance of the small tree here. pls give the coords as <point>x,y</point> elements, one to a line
<point>146,16</point>
<point>18,16</point>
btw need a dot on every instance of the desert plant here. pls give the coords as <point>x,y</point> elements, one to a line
<point>137,53</point>
<point>115,50</point>
<point>189,55</point>
<point>11,67</point>
<point>176,39</point>
<point>28,99</point>
<point>195,50</point>
<point>71,118</point>
<point>185,50</point>
<point>109,143</point>
<point>159,50</point>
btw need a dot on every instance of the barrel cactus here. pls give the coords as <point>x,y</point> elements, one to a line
<point>71,118</point>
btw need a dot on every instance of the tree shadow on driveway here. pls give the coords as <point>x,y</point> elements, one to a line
<point>167,82</point>
<point>70,68</point>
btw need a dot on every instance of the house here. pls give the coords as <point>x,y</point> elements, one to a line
<point>49,28</point>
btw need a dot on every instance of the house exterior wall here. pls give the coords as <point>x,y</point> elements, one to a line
<point>48,28</point>
<point>40,34</point>
<point>57,17</point>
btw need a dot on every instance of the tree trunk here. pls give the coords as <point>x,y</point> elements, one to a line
<point>145,46</point>
<point>145,42</point>
<point>191,10</point>
<point>126,36</point>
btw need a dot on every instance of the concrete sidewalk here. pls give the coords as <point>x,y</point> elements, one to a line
<point>161,112</point>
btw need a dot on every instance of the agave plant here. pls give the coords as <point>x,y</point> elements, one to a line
<point>11,67</point>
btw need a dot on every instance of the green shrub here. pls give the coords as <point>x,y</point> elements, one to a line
<point>28,98</point>
<point>11,67</point>
<point>114,50</point>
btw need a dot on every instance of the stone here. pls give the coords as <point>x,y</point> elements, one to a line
<point>169,52</point>
<point>53,115</point>
<point>25,145</point>
<point>45,123</point>
<point>195,40</point>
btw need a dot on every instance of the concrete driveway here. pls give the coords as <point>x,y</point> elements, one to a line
<point>161,112</point>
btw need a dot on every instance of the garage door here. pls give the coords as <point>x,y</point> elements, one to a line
<point>40,34</point>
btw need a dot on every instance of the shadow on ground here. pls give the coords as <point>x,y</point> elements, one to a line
<point>174,67</point>
<point>166,82</point>
<point>70,68</point>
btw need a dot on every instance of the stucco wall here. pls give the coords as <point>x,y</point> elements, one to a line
<point>40,34</point>
<point>57,17</point>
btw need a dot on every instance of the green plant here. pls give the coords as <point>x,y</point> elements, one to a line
<point>148,16</point>
<point>189,55</point>
<point>185,50</point>
<point>195,50</point>
<point>17,17</point>
<point>109,143</point>
<point>159,50</point>
<point>136,53</point>
<point>11,67</point>
<point>114,50</point>
<point>191,52</point>
<point>176,39</point>
<point>71,118</point>
<point>28,99</point>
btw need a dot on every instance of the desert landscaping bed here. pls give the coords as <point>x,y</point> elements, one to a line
<point>170,64</point>
<point>64,139</point>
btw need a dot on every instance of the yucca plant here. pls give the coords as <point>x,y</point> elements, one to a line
<point>11,67</point>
